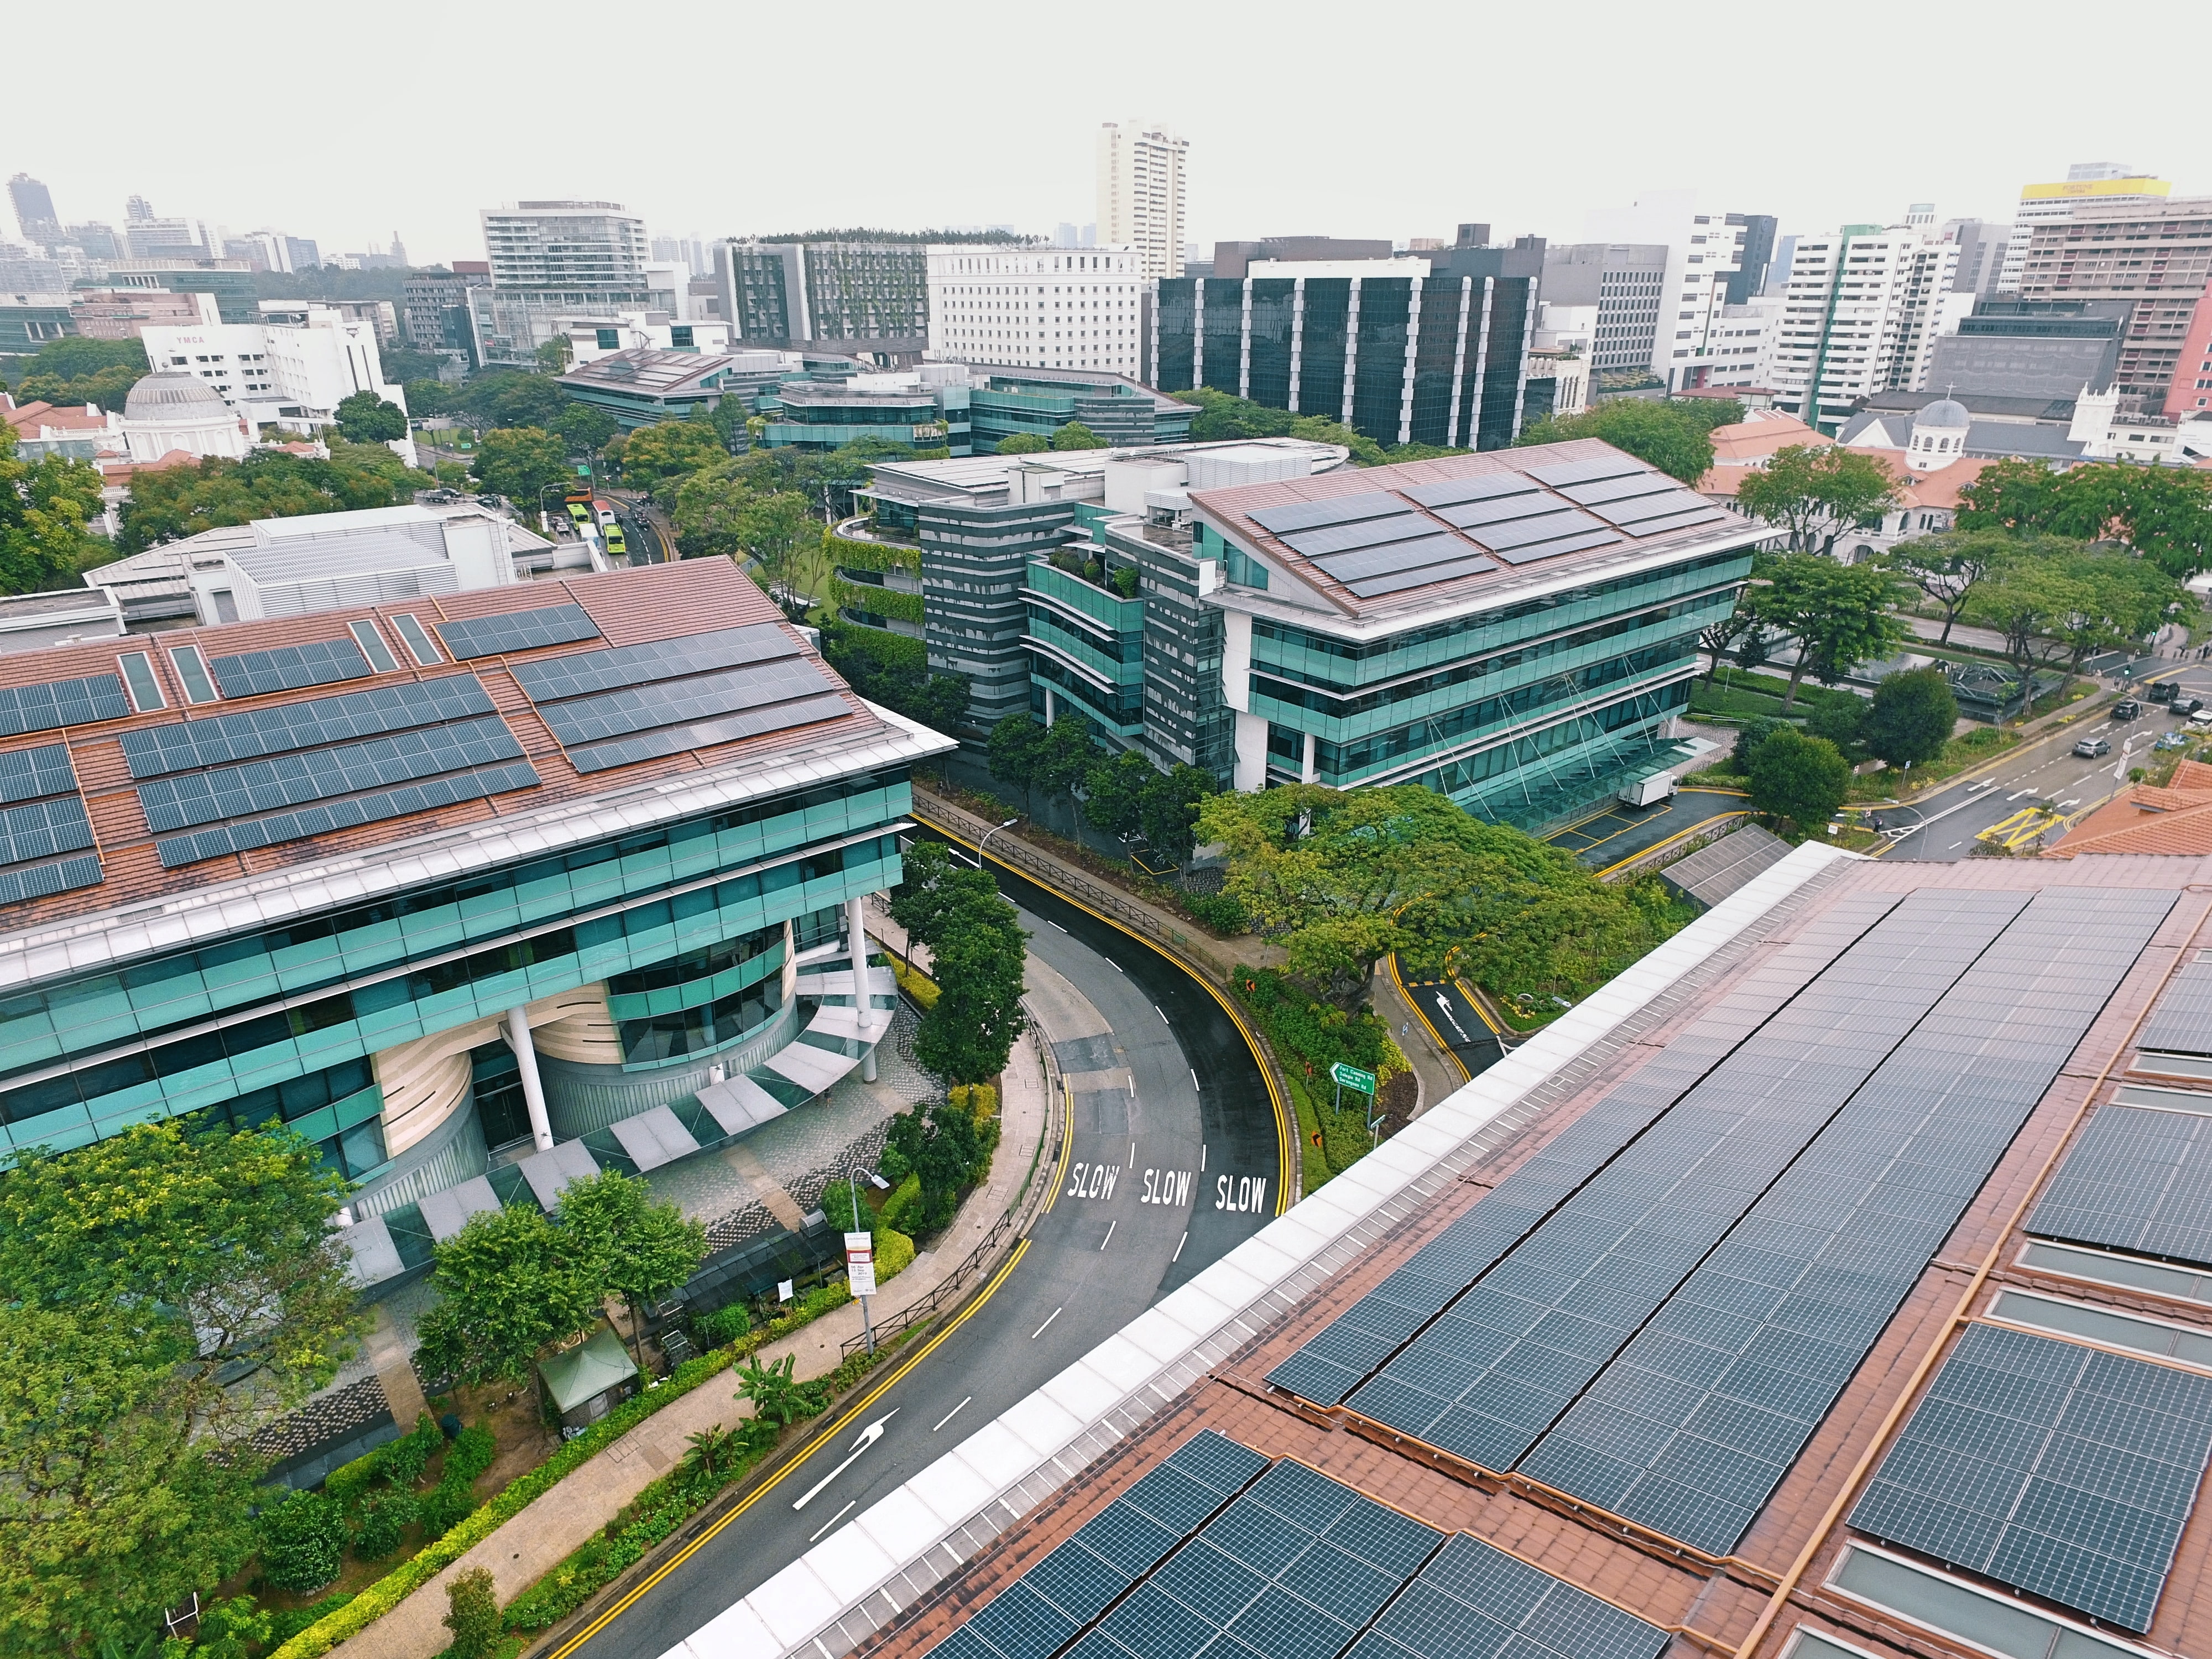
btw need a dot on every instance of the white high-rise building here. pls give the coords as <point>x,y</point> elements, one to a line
<point>275,374</point>
<point>1703,250</point>
<point>1861,314</point>
<point>584,245</point>
<point>1037,307</point>
<point>1140,194</point>
<point>2091,184</point>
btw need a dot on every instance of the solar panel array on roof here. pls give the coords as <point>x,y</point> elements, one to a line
<point>1504,1360</point>
<point>1693,1427</point>
<point>2057,1469</point>
<point>432,792</point>
<point>2182,1022</point>
<point>223,737</point>
<point>1560,474</point>
<point>1336,509</point>
<point>637,703</point>
<point>1336,1359</point>
<point>1483,486</point>
<point>53,704</point>
<point>1474,1601</point>
<point>289,667</point>
<point>43,820</point>
<point>2139,1179</point>
<point>518,630</point>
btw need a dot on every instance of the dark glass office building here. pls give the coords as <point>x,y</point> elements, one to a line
<point>1430,350</point>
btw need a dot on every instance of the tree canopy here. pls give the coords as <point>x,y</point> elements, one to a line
<point>979,949</point>
<point>1815,493</point>
<point>1948,567</point>
<point>1128,795</point>
<point>2058,601</point>
<point>164,1294</point>
<point>1674,437</point>
<point>46,507</point>
<point>1911,718</point>
<point>2165,514</point>
<point>75,370</point>
<point>1076,436</point>
<point>1837,616</point>
<point>508,396</point>
<point>184,500</point>
<point>584,428</point>
<point>519,463</point>
<point>1801,778</point>
<point>366,418</point>
<point>1023,443</point>
<point>893,669</point>
<point>670,449</point>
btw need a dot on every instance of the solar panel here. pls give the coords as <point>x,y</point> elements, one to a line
<point>289,667</point>
<point>2057,1469</point>
<point>641,707</point>
<point>1548,527</point>
<point>1580,542</point>
<point>43,880</point>
<point>1367,532</point>
<point>1334,1361</point>
<point>1562,473</point>
<point>1492,1374</point>
<point>1656,515</point>
<point>426,796</point>
<point>53,704</point>
<point>1433,549</point>
<point>1501,509</point>
<point>2139,1179</point>
<point>27,773</point>
<point>1375,587</point>
<point>702,734</point>
<point>272,730</point>
<point>1488,487</point>
<point>262,786</point>
<point>1623,489</point>
<point>44,829</point>
<point>518,630</point>
<point>2182,1022</point>
<point>550,680</point>
<point>1474,1601</point>
<point>1338,509</point>
<point>1693,1427</point>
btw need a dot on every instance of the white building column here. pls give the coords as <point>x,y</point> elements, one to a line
<point>857,938</point>
<point>533,1090</point>
<point>1051,706</point>
<point>1308,771</point>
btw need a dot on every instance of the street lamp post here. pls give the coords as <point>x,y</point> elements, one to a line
<point>987,833</point>
<point>853,1177</point>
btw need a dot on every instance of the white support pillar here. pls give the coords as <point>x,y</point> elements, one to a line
<point>1309,772</point>
<point>533,1090</point>
<point>857,938</point>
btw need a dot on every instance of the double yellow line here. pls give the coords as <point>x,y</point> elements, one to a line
<point>1286,1135</point>
<point>825,1438</point>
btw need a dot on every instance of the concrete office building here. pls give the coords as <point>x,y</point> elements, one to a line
<point>1754,250</point>
<point>1427,349</point>
<point>2039,348</point>
<point>1863,311</point>
<point>434,307</point>
<point>645,385</point>
<point>1232,259</point>
<point>277,374</point>
<point>1036,307</point>
<point>1982,248</point>
<point>1618,285</point>
<point>552,261</point>
<point>35,217</point>
<point>1141,193</point>
<point>560,867</point>
<point>126,313</point>
<point>838,294</point>
<point>2087,185</point>
<point>2190,389</point>
<point>2156,254</point>
<point>1711,260</point>
<point>229,281</point>
<point>1824,1285</point>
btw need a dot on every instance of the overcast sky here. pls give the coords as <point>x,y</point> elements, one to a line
<point>1399,120</point>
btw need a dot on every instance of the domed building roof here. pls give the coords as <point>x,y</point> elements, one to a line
<point>172,397</point>
<point>1942,412</point>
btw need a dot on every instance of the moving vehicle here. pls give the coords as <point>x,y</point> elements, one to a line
<point>617,548</point>
<point>605,509</point>
<point>2093,748</point>
<point>580,516</point>
<point>2162,691</point>
<point>2126,708</point>
<point>1645,792</point>
<point>2188,708</point>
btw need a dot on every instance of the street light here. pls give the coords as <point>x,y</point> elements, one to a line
<point>852,1180</point>
<point>987,833</point>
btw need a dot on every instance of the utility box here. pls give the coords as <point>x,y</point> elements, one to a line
<point>1647,792</point>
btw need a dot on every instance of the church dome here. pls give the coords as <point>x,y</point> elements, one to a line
<point>172,397</point>
<point>1942,412</point>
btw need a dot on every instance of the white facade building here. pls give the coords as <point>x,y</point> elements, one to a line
<point>1141,193</point>
<point>1739,341</point>
<point>565,245</point>
<point>1037,307</point>
<point>165,413</point>
<point>279,375</point>
<point>590,338</point>
<point>1861,314</point>
<point>1702,251</point>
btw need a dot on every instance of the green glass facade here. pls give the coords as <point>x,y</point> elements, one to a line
<point>1087,647</point>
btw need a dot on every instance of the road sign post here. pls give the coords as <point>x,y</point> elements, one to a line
<point>1350,1077</point>
<point>860,1275</point>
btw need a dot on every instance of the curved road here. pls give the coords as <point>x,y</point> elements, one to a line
<point>1172,1163</point>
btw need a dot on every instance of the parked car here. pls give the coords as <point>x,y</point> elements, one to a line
<point>2126,708</point>
<point>2093,748</point>
<point>2200,719</point>
<point>2188,708</point>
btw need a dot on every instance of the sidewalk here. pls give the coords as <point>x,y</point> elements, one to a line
<point>1438,1072</point>
<point>563,1520</point>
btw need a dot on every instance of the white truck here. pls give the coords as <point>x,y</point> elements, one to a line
<point>1647,792</point>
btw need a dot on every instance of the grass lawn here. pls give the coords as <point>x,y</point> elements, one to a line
<point>1961,753</point>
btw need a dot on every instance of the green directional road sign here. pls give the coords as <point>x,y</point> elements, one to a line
<point>1350,1077</point>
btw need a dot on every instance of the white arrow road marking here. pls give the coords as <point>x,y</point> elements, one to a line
<point>869,1436</point>
<point>1443,1007</point>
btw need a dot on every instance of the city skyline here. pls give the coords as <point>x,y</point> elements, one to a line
<point>1257,166</point>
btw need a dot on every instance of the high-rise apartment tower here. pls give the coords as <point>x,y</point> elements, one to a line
<point>1141,193</point>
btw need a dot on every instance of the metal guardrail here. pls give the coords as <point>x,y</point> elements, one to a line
<point>1005,1232</point>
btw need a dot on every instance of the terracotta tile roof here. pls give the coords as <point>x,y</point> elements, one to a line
<point>1234,506</point>
<point>2175,818</point>
<point>629,606</point>
<point>1748,442</point>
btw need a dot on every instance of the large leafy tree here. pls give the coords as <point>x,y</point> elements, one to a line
<point>75,370</point>
<point>670,449</point>
<point>163,1295</point>
<point>45,507</point>
<point>508,1283</point>
<point>1673,437</point>
<point>511,398</point>
<point>776,531</point>
<point>893,669</point>
<point>1815,492</point>
<point>585,429</point>
<point>520,463</point>
<point>1911,718</point>
<point>2164,514</point>
<point>1076,436</point>
<point>1015,752</point>
<point>1948,567</point>
<point>978,950</point>
<point>366,418</point>
<point>1799,778</point>
<point>1023,443</point>
<point>644,1247</point>
<point>1837,616</point>
<point>186,500</point>
<point>2058,602</point>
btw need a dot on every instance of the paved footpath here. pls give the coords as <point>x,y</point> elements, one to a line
<point>562,1520</point>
